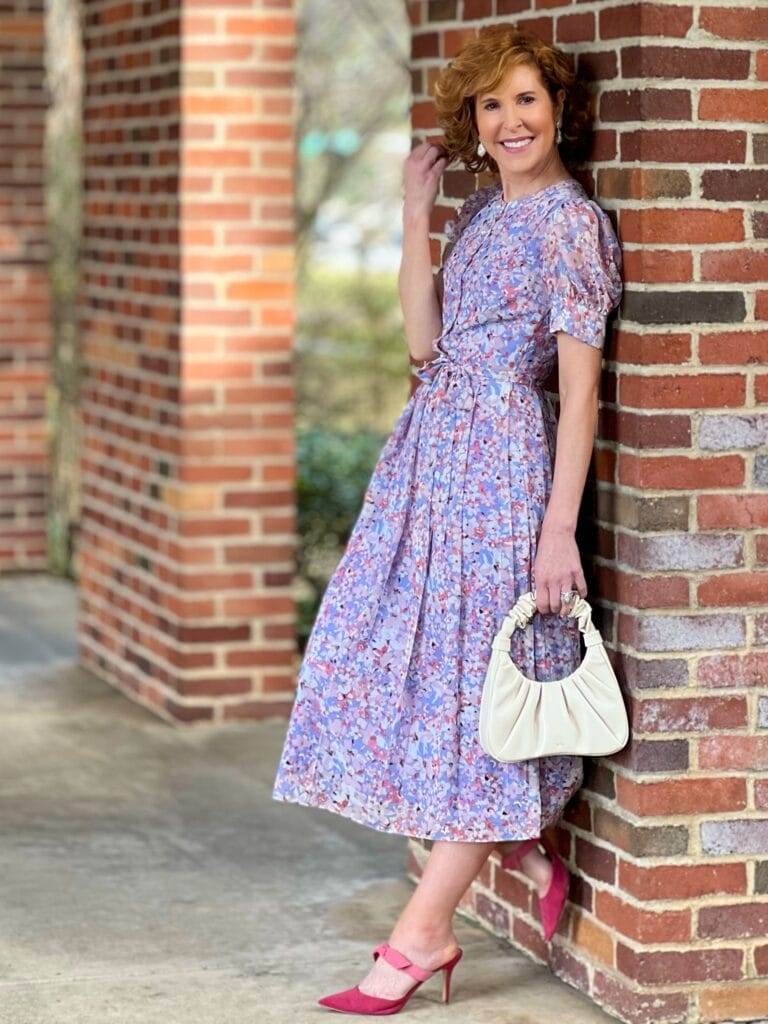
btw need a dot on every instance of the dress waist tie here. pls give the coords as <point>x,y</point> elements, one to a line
<point>463,375</point>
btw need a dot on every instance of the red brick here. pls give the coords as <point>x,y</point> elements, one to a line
<point>649,349</point>
<point>733,670</point>
<point>638,430</point>
<point>595,861</point>
<point>693,226</point>
<point>491,912</point>
<point>645,926</point>
<point>687,62</point>
<point>646,19</point>
<point>623,999</point>
<point>574,28</point>
<point>702,144</point>
<point>208,106</point>
<point>733,589</point>
<point>728,1002</point>
<point>530,939</point>
<point>735,22</point>
<point>733,347</point>
<point>681,472</point>
<point>658,266</point>
<point>695,391</point>
<point>663,967</point>
<point>568,967</point>
<point>261,27</point>
<point>747,753</point>
<point>733,920</point>
<point>681,882</point>
<point>733,105</point>
<point>732,510</point>
<point>590,939</point>
<point>681,796</point>
<point>735,265</point>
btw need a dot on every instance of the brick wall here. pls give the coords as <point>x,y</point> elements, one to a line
<point>668,840</point>
<point>24,297</point>
<point>185,551</point>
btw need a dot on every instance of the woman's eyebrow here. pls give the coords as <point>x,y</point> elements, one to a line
<point>493,96</point>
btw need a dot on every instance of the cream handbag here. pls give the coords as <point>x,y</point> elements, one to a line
<point>583,713</point>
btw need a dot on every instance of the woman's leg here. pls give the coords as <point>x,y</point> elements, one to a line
<point>424,931</point>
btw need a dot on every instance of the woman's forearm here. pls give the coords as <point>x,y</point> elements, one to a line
<point>573,450</point>
<point>416,285</point>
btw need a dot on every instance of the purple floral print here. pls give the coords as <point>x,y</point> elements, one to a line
<point>384,726</point>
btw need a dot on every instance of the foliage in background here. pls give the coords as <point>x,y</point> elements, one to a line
<point>351,358</point>
<point>353,381</point>
<point>352,83</point>
<point>352,372</point>
<point>334,468</point>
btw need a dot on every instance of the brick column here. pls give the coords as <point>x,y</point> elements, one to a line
<point>24,298</point>
<point>668,840</point>
<point>187,540</point>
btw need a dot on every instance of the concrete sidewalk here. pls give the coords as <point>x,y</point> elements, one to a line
<point>147,877</point>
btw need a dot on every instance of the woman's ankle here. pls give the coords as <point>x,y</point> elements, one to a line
<point>538,867</point>
<point>421,935</point>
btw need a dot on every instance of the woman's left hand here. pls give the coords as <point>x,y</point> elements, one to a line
<point>557,567</point>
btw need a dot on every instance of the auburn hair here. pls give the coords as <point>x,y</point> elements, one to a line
<point>481,65</point>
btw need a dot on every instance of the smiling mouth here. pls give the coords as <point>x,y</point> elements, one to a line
<point>514,147</point>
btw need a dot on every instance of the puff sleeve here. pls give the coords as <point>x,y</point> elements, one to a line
<point>582,271</point>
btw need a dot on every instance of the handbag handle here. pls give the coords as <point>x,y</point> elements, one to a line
<point>524,609</point>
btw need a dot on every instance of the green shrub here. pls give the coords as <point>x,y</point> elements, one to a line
<point>334,468</point>
<point>352,382</point>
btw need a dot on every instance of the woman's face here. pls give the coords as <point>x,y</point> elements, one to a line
<point>519,109</point>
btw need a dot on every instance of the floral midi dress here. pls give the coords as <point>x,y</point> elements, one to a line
<point>384,726</point>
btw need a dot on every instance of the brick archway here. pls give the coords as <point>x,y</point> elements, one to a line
<point>187,309</point>
<point>24,291</point>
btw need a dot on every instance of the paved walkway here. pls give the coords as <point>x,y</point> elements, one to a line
<point>147,877</point>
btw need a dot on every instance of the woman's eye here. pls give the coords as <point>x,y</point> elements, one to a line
<point>492,103</point>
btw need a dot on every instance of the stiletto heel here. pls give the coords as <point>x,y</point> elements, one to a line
<point>352,1000</point>
<point>448,969</point>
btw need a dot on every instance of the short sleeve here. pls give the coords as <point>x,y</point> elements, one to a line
<point>582,271</point>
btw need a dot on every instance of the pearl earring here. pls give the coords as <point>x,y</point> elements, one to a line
<point>558,135</point>
<point>480,149</point>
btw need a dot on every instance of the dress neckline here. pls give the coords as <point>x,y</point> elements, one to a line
<point>563,183</point>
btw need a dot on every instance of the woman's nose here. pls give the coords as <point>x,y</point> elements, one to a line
<point>513,123</point>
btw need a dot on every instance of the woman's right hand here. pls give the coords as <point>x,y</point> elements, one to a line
<point>422,169</point>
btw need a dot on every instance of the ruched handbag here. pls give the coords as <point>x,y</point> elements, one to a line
<point>522,718</point>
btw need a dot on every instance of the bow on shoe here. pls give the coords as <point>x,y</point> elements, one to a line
<point>397,959</point>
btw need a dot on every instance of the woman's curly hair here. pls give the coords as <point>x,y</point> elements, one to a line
<point>481,65</point>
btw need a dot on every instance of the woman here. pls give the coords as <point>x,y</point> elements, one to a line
<point>472,502</point>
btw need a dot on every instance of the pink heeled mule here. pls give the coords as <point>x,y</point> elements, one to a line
<point>352,1000</point>
<point>512,861</point>
<point>552,903</point>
